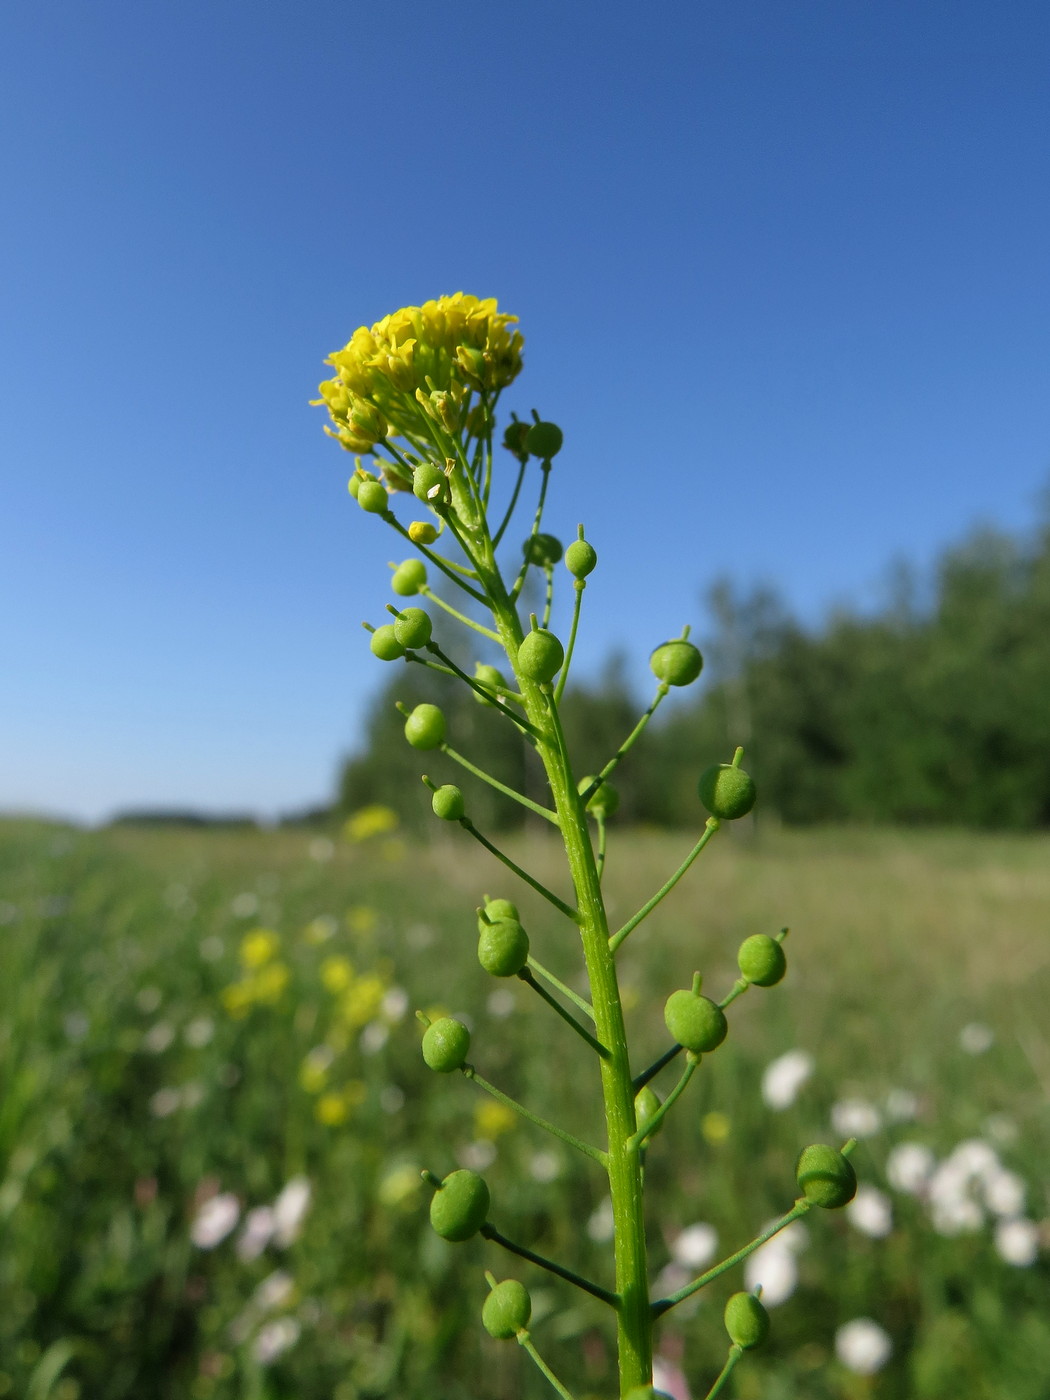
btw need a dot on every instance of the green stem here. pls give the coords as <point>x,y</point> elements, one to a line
<point>600,863</point>
<point>428,592</point>
<point>738,989</point>
<point>798,1210</point>
<point>560,986</point>
<point>569,912</point>
<point>489,1232</point>
<point>577,603</point>
<point>510,509</point>
<point>629,927</point>
<point>500,787</point>
<point>567,1016</point>
<point>548,602</point>
<point>628,743</point>
<point>641,1080</point>
<point>486,694</point>
<point>692,1060</point>
<point>519,582</point>
<point>735,1353</point>
<point>525,1340</point>
<point>588,1151</point>
<point>449,569</point>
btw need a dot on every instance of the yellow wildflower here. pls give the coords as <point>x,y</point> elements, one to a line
<point>331,1109</point>
<point>337,973</point>
<point>313,1072</point>
<point>715,1126</point>
<point>362,1000</point>
<point>491,1118</point>
<point>361,919</point>
<point>237,999</point>
<point>376,820</point>
<point>258,946</point>
<point>399,1186</point>
<point>269,982</point>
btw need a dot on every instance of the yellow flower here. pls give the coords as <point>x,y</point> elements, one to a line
<point>313,1072</point>
<point>361,919</point>
<point>258,946</point>
<point>369,821</point>
<point>362,1000</point>
<point>237,999</point>
<point>399,1186</point>
<point>331,1109</point>
<point>337,973</point>
<point>715,1126</point>
<point>491,1118</point>
<point>269,982</point>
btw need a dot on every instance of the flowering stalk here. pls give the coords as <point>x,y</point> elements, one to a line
<point>415,398</point>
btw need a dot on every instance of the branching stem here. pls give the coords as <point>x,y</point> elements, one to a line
<point>490,1232</point>
<point>595,1153</point>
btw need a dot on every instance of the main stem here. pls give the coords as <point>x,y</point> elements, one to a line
<point>634,1315</point>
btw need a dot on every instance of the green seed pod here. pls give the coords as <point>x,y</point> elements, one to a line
<point>825,1177</point>
<point>490,678</point>
<point>448,803</point>
<point>602,803</point>
<point>646,1106</point>
<point>409,578</point>
<point>761,959</point>
<point>446,1043</point>
<point>727,792</point>
<point>696,1022</point>
<point>354,485</point>
<point>507,1310</point>
<point>580,558</point>
<point>544,440</point>
<point>413,628</point>
<point>514,439</point>
<point>747,1321</point>
<point>503,948</point>
<point>425,727</point>
<point>460,1206</point>
<point>372,497</point>
<point>385,644</point>
<point>430,484</point>
<point>496,909</point>
<point>543,550</point>
<point>676,663</point>
<point>540,656</point>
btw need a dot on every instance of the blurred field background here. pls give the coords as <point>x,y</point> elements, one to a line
<point>214,1112</point>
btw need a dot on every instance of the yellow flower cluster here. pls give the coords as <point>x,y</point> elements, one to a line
<point>265,976</point>
<point>453,346</point>
<point>375,820</point>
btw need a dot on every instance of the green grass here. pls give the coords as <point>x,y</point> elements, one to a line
<point>119,1112</point>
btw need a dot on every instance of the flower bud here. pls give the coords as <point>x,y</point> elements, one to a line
<point>489,678</point>
<point>646,1107</point>
<point>507,1310</point>
<point>366,421</point>
<point>761,959</point>
<point>746,1320</point>
<point>384,643</point>
<point>425,727</point>
<point>413,628</point>
<point>602,803</point>
<point>460,1206</point>
<point>540,656</point>
<point>496,909</point>
<point>448,803</point>
<point>727,792</point>
<point>472,362</point>
<point>580,558</point>
<point>503,948</point>
<point>372,497</point>
<point>446,1043</point>
<point>543,550</point>
<point>544,440</point>
<point>408,578</point>
<point>421,531</point>
<point>825,1176</point>
<point>696,1022</point>
<point>676,663</point>
<point>430,484</point>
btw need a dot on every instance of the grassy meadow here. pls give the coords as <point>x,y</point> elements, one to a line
<point>213,1112</point>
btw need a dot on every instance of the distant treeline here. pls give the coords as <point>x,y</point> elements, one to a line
<point>934,709</point>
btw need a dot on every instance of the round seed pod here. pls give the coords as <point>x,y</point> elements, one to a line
<point>762,960</point>
<point>448,803</point>
<point>544,440</point>
<point>425,727</point>
<point>503,948</point>
<point>413,628</point>
<point>409,577</point>
<point>446,1043</point>
<point>460,1206</point>
<point>514,438</point>
<point>507,1310</point>
<point>696,1022</point>
<point>646,1105</point>
<point>544,550</point>
<point>580,558</point>
<point>426,477</point>
<point>746,1320</point>
<point>602,803</point>
<point>676,663</point>
<point>497,909</point>
<point>421,531</point>
<point>384,643</point>
<point>727,792</point>
<point>540,656</point>
<point>372,497</point>
<point>825,1177</point>
<point>354,485</point>
<point>490,678</point>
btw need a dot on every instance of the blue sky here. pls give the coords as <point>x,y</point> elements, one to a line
<point>782,270</point>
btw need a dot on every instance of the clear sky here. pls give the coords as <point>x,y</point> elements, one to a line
<point>782,270</point>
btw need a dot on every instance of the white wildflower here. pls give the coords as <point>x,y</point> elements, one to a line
<point>289,1211</point>
<point>158,1038</point>
<point>164,1102</point>
<point>199,1032</point>
<point>256,1234</point>
<point>1017,1242</point>
<point>275,1338</point>
<point>1004,1193</point>
<point>871,1212</point>
<point>274,1291</point>
<point>600,1225</point>
<point>245,905</point>
<point>773,1268</point>
<point>501,1003</point>
<point>863,1346</point>
<point>214,1220</point>
<point>909,1167</point>
<point>391,1098</point>
<point>395,1004</point>
<point>695,1246</point>
<point>784,1077</point>
<point>545,1166</point>
<point>976,1038</point>
<point>374,1036</point>
<point>855,1118</point>
<point>902,1106</point>
<point>478,1155</point>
